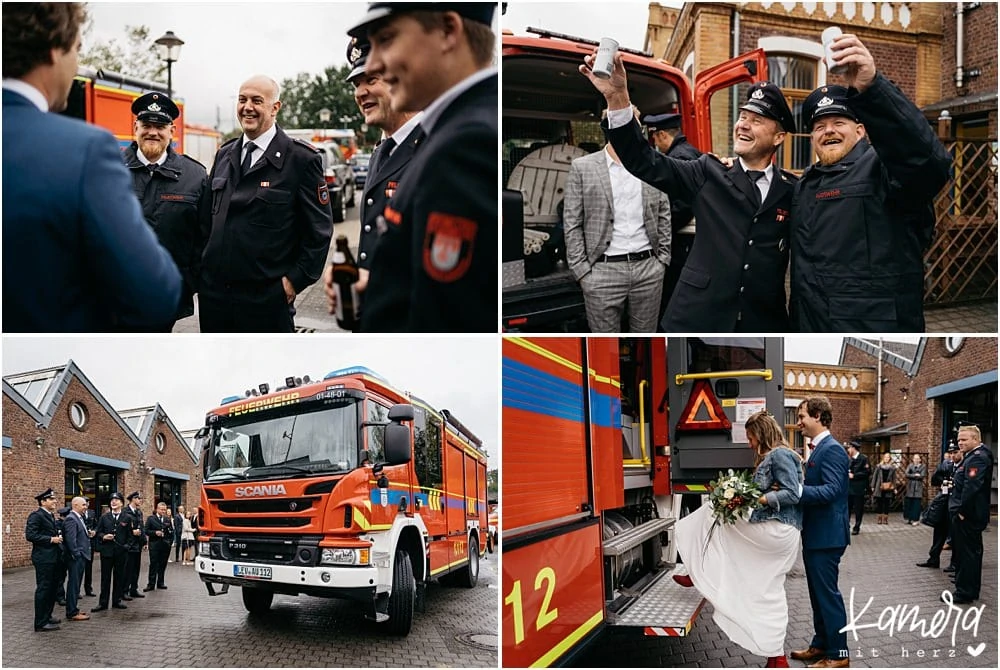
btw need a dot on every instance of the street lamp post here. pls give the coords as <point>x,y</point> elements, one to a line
<point>168,48</point>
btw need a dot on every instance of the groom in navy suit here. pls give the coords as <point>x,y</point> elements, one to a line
<point>78,255</point>
<point>825,534</point>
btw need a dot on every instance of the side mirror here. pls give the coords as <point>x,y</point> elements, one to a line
<point>401,412</point>
<point>397,443</point>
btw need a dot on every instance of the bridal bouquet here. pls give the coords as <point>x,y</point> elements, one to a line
<point>734,496</point>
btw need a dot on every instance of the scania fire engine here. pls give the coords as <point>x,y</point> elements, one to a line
<point>605,441</point>
<point>340,488</point>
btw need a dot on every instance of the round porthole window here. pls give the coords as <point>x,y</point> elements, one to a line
<point>78,415</point>
<point>952,345</point>
<point>161,442</point>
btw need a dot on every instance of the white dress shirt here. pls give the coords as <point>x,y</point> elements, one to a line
<point>628,234</point>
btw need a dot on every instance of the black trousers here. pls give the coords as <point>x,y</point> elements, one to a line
<point>177,545</point>
<point>967,547</point>
<point>159,552</point>
<point>88,574</point>
<point>262,309</point>
<point>937,542</point>
<point>132,567</point>
<point>113,567</point>
<point>856,504</point>
<point>45,592</point>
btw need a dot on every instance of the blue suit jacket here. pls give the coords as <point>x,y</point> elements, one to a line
<point>78,256</point>
<point>75,537</point>
<point>824,497</point>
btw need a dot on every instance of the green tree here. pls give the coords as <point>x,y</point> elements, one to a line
<point>303,97</point>
<point>135,57</point>
<point>492,485</point>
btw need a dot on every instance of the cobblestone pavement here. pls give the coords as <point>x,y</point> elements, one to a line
<point>879,564</point>
<point>973,318</point>
<point>184,627</point>
<point>311,314</point>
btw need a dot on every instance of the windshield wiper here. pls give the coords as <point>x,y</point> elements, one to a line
<point>224,475</point>
<point>278,467</point>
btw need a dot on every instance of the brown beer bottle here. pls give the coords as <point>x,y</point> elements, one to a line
<point>345,279</point>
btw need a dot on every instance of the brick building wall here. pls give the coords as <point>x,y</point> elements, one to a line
<point>30,467</point>
<point>979,52</point>
<point>924,416</point>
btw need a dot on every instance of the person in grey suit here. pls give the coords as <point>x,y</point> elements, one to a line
<point>617,232</point>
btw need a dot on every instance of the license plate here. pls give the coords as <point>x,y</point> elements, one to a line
<point>252,571</point>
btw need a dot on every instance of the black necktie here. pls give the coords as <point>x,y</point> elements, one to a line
<point>381,155</point>
<point>754,176</point>
<point>248,159</point>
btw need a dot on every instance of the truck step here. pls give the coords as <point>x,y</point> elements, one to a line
<point>619,544</point>
<point>665,609</point>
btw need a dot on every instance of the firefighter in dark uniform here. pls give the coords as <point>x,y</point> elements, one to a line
<point>401,134</point>
<point>734,277</point>
<point>136,542</point>
<point>435,265</point>
<point>114,532</point>
<point>943,478</point>
<point>664,130</point>
<point>268,222</point>
<point>969,507</point>
<point>170,187</point>
<point>863,214</point>
<point>46,541</point>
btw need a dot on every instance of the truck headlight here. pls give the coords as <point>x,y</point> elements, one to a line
<point>345,556</point>
<point>203,549</point>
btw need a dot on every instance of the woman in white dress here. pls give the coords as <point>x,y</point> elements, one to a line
<point>740,568</point>
<point>187,536</point>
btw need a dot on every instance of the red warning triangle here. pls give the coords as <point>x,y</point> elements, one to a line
<point>703,397</point>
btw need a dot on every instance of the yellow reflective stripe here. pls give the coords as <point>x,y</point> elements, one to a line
<point>553,654</point>
<point>545,353</point>
<point>450,565</point>
<point>360,520</point>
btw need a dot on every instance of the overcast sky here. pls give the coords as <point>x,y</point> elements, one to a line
<point>225,43</point>
<point>624,21</point>
<point>189,375</point>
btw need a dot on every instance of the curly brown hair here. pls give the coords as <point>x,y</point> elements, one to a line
<point>818,407</point>
<point>31,30</point>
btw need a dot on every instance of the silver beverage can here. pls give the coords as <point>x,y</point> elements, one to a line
<point>604,62</point>
<point>829,35</point>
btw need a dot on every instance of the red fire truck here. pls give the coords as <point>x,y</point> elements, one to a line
<point>340,488</point>
<point>551,115</point>
<point>105,99</point>
<point>604,441</point>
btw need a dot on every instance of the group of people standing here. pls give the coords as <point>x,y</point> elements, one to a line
<point>854,226</point>
<point>132,236</point>
<point>805,503</point>
<point>64,546</point>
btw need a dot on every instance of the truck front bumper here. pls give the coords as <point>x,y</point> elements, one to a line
<point>336,581</point>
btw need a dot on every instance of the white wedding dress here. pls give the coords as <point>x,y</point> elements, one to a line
<point>742,573</point>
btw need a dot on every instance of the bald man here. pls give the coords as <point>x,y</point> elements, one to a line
<point>267,221</point>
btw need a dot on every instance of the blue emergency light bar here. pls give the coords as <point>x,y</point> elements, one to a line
<point>355,370</point>
<point>231,398</point>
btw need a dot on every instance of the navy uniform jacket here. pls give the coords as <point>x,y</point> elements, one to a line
<point>273,222</point>
<point>862,471</point>
<point>378,189</point>
<point>680,208</point>
<point>970,496</point>
<point>944,471</point>
<point>862,224</point>
<point>122,530</point>
<point>824,497</point>
<point>77,254</point>
<point>734,276</point>
<point>134,520</point>
<point>153,524</point>
<point>39,531</point>
<point>170,197</point>
<point>435,266</point>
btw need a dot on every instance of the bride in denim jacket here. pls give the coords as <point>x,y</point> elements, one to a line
<point>741,568</point>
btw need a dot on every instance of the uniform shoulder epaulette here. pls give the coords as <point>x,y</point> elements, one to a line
<point>311,147</point>
<point>195,161</point>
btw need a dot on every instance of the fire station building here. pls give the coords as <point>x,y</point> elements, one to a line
<point>903,398</point>
<point>59,431</point>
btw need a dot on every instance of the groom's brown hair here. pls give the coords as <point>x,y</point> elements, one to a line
<point>818,407</point>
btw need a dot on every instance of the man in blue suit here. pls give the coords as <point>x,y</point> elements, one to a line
<point>825,534</point>
<point>77,253</point>
<point>77,554</point>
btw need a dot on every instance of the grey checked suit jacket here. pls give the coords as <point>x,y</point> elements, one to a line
<point>588,214</point>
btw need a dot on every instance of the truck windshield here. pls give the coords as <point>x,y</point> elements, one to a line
<point>302,441</point>
<point>725,354</point>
